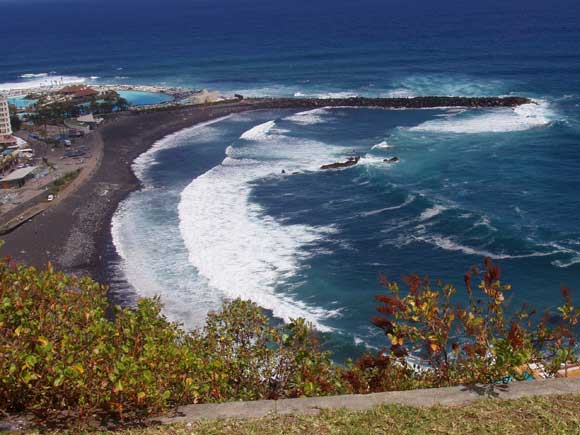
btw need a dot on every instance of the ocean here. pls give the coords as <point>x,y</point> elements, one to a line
<point>239,208</point>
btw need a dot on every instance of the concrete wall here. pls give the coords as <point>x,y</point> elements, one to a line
<point>421,398</point>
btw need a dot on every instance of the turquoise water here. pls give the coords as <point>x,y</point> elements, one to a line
<point>21,102</point>
<point>137,98</point>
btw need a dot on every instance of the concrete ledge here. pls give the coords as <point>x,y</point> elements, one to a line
<point>359,402</point>
<point>255,409</point>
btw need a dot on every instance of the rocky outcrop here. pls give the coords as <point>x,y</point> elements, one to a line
<point>350,162</point>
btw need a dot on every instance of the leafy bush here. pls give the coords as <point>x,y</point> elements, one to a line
<point>479,343</point>
<point>256,361</point>
<point>58,352</point>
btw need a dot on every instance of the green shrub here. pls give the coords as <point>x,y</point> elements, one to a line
<point>58,352</point>
<point>257,361</point>
<point>476,343</point>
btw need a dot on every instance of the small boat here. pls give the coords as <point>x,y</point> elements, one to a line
<point>392,160</point>
<point>350,162</point>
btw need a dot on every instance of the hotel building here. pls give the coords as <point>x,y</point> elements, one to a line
<point>6,138</point>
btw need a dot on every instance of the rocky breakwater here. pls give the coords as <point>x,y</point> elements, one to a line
<point>395,103</point>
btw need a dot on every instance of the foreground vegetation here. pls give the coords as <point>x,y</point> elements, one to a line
<point>62,359</point>
<point>537,415</point>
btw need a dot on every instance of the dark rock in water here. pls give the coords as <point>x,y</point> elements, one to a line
<point>392,160</point>
<point>350,162</point>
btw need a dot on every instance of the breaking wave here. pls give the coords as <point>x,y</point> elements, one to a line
<point>147,159</point>
<point>501,120</point>
<point>241,251</point>
<point>310,117</point>
<point>259,132</point>
<point>432,212</point>
<point>381,146</point>
<point>32,76</point>
<point>32,81</point>
<point>159,265</point>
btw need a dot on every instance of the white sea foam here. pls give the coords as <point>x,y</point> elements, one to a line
<point>451,245</point>
<point>381,146</point>
<point>42,81</point>
<point>500,120</point>
<point>326,95</point>
<point>435,84</point>
<point>401,93</point>
<point>241,251</point>
<point>186,297</point>
<point>432,212</point>
<point>407,201</point>
<point>407,87</point>
<point>159,266</point>
<point>370,160</point>
<point>147,159</point>
<point>484,221</point>
<point>259,132</point>
<point>310,117</point>
<point>267,91</point>
<point>32,76</point>
<point>140,277</point>
<point>564,264</point>
<point>574,256</point>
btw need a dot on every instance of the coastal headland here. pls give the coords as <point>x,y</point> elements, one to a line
<point>74,232</point>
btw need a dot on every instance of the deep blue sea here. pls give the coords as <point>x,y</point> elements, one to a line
<point>218,219</point>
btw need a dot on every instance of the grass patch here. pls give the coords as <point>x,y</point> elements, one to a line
<point>554,415</point>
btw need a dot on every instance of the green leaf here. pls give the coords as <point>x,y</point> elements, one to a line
<point>59,380</point>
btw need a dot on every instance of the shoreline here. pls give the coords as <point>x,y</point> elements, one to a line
<point>74,234</point>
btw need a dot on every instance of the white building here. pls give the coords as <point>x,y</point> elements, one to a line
<point>5,128</point>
